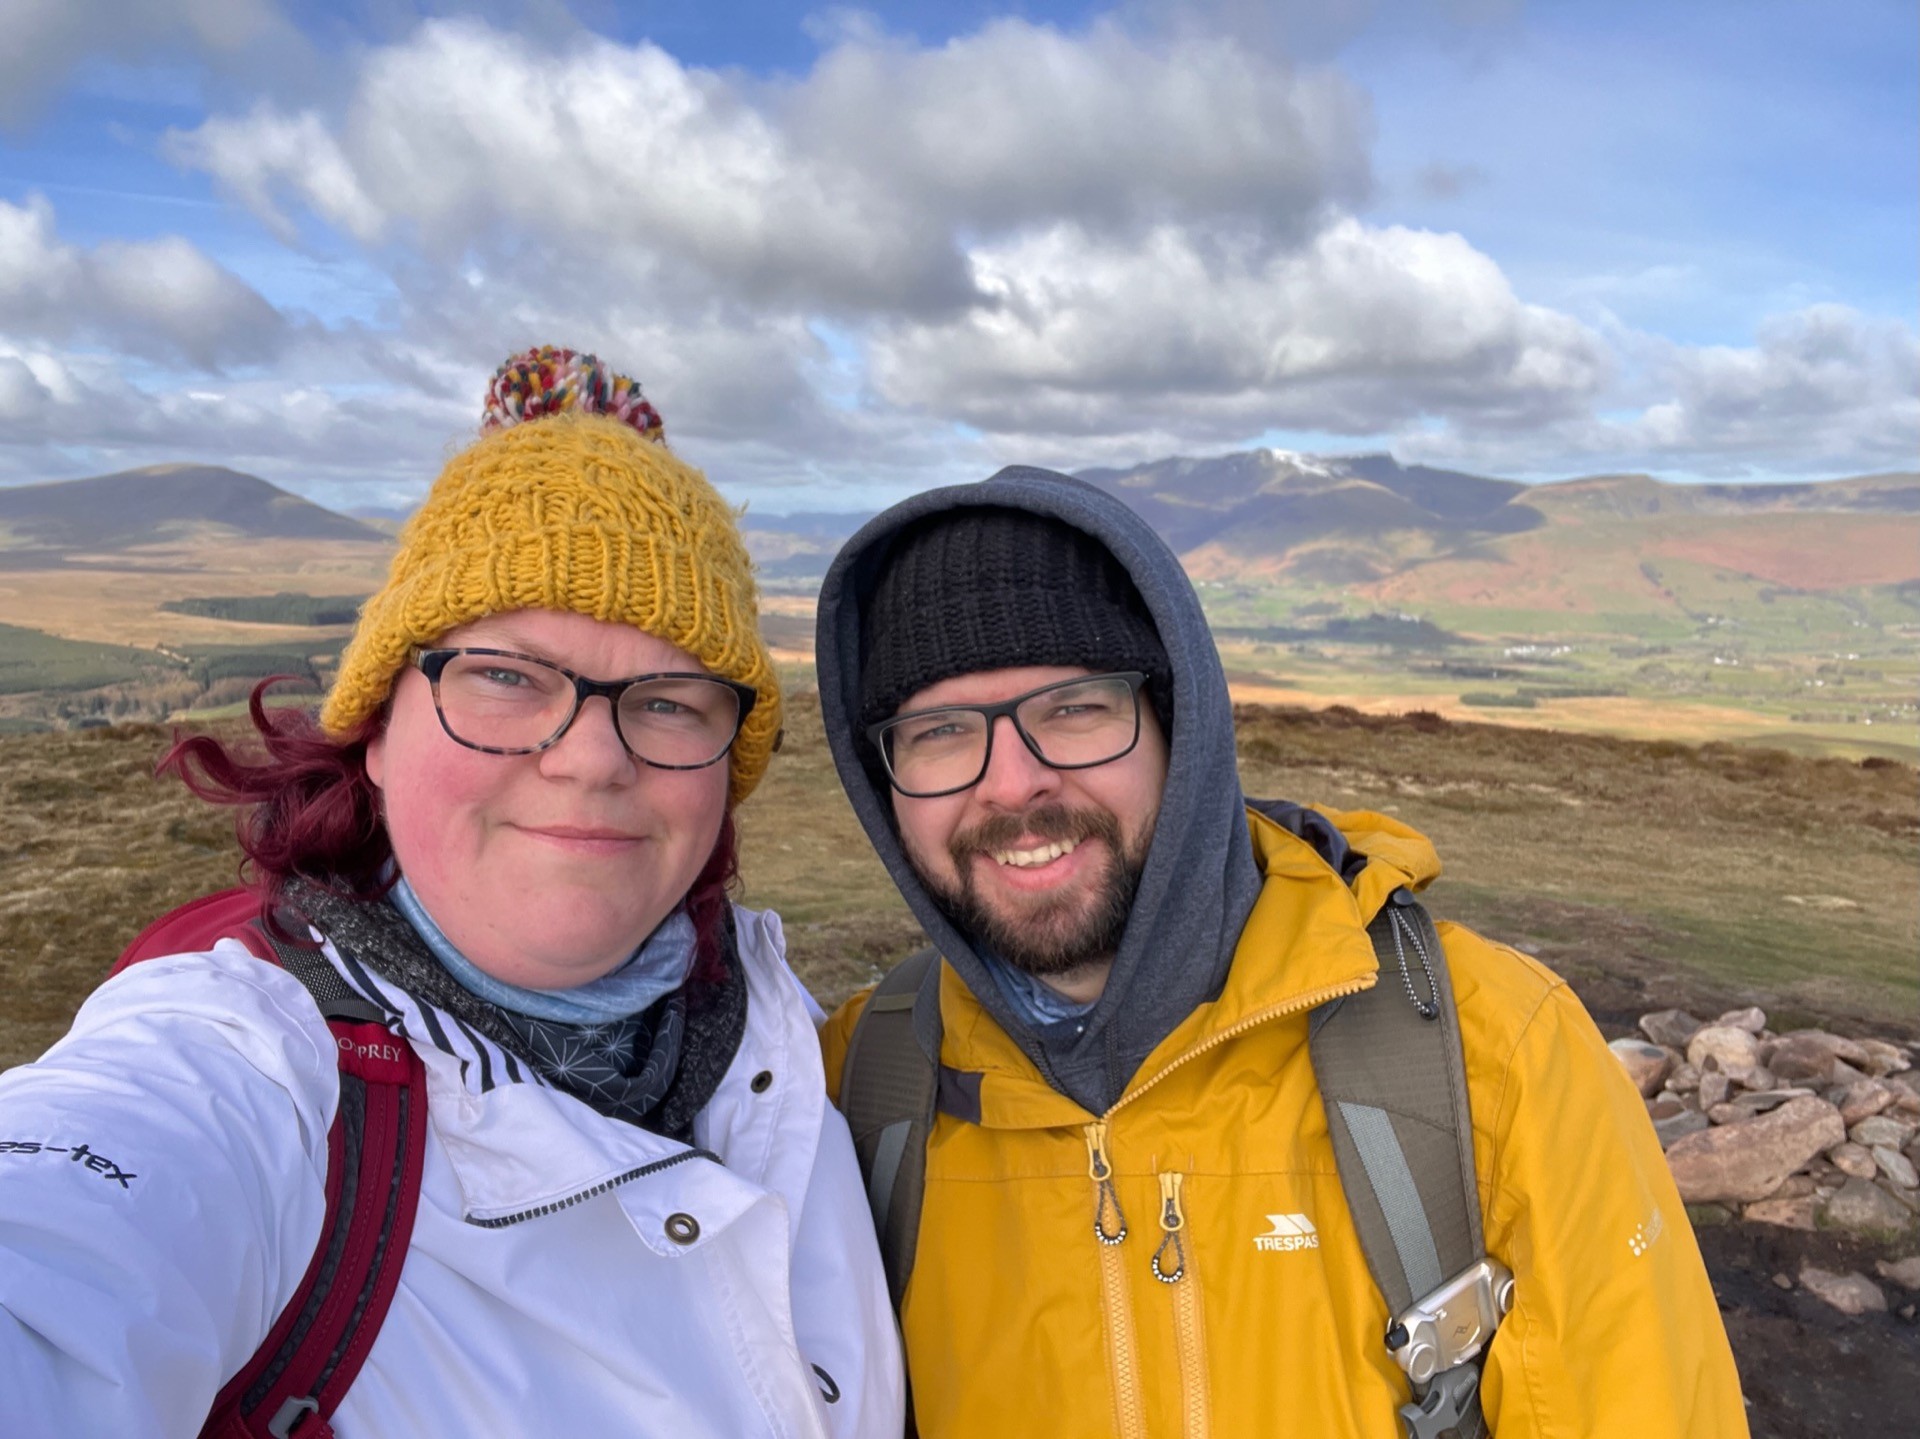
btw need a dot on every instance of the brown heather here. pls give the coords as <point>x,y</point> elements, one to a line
<point>1650,873</point>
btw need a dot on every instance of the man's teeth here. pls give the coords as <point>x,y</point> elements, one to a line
<point>1026,858</point>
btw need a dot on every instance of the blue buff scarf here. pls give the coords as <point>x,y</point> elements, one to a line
<point>1039,1002</point>
<point>615,1042</point>
<point>654,971</point>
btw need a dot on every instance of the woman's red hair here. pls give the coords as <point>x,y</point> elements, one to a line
<point>308,809</point>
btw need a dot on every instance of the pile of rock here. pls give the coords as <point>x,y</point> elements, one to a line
<point>1805,1129</point>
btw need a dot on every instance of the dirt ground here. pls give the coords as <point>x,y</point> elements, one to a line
<point>1650,874</point>
<point>1809,1371</point>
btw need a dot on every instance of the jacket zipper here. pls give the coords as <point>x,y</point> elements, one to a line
<point>1312,1000</point>
<point>1105,1200</point>
<point>1123,1360</point>
<point>601,1188</point>
<point>1110,1229</point>
<point>1170,1267</point>
<point>1173,1266</point>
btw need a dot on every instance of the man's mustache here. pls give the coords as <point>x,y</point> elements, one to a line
<point>1047,823</point>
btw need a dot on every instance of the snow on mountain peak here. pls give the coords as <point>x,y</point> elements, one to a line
<point>1303,464</point>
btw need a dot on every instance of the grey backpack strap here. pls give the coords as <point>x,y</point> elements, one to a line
<point>889,1087</point>
<point>333,996</point>
<point>1393,1079</point>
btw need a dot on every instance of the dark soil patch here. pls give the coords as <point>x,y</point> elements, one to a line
<point>1809,1371</point>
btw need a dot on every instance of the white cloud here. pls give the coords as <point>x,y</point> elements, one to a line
<point>74,413</point>
<point>22,396</point>
<point>1822,391</point>
<point>1358,331</point>
<point>168,296</point>
<point>46,396</point>
<point>847,190</point>
<point>160,299</point>
<point>1026,243</point>
<point>352,414</point>
<point>258,156</point>
<point>47,39</point>
<point>1823,382</point>
<point>1022,124</point>
<point>698,224</point>
<point>603,156</point>
<point>754,395</point>
<point>37,271</point>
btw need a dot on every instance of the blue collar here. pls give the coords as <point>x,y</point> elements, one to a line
<point>657,968</point>
<point>1036,1000</point>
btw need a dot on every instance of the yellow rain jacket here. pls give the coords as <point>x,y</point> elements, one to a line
<point>1020,1321</point>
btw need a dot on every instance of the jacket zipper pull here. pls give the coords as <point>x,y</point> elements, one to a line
<point>1105,1200</point>
<point>1172,1221</point>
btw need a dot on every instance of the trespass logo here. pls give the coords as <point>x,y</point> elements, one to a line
<point>1289,1231</point>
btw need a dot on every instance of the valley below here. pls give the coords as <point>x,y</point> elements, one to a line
<point>1785,616</point>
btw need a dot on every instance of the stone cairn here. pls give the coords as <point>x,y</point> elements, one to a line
<point>1806,1129</point>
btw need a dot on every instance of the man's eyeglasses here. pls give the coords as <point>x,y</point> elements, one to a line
<point>1075,724</point>
<point>500,702</point>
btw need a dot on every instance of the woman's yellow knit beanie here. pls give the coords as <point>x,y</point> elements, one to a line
<point>570,500</point>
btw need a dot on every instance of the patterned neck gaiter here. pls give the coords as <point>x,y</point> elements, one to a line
<point>655,1069</point>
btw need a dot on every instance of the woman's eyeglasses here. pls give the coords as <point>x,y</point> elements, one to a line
<point>500,702</point>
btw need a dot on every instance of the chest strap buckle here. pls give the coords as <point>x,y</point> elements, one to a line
<point>1437,1338</point>
<point>1450,1406</point>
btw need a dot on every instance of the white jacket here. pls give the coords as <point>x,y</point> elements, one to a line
<point>162,1173</point>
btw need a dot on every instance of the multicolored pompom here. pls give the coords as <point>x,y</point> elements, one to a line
<point>552,381</point>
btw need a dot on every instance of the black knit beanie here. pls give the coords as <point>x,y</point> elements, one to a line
<point>985,589</point>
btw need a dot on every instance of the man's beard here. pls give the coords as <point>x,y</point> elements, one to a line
<point>1045,934</point>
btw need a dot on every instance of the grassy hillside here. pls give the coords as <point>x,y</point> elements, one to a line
<point>1631,496</point>
<point>163,502</point>
<point>1673,566</point>
<point>1641,869</point>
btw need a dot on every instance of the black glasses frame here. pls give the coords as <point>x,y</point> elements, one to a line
<point>876,733</point>
<point>433,663</point>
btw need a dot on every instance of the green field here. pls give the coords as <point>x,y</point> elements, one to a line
<point>1638,626</point>
<point>48,682</point>
<point>1831,673</point>
<point>31,661</point>
<point>305,658</point>
<point>285,608</point>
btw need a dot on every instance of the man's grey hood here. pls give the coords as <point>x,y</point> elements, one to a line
<point>1200,880</point>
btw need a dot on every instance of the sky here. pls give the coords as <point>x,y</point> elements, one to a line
<point>852,253</point>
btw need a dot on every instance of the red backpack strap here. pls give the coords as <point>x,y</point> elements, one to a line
<point>376,1155</point>
<point>197,925</point>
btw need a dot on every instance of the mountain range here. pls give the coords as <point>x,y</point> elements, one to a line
<point>1412,535</point>
<point>1404,536</point>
